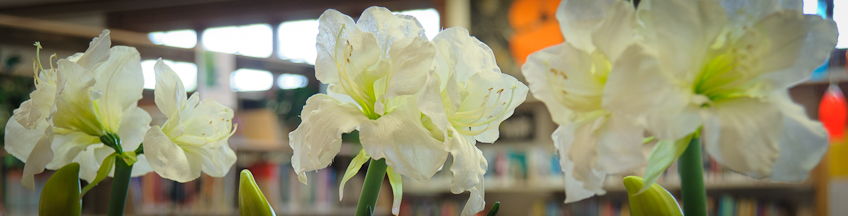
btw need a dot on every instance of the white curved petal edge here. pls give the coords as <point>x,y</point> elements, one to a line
<point>576,147</point>
<point>401,138</point>
<point>169,160</point>
<point>318,138</point>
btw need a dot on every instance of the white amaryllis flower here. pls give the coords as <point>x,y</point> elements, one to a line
<point>29,128</point>
<point>194,138</point>
<point>375,69</point>
<point>87,96</point>
<point>465,102</point>
<point>571,80</point>
<point>726,66</point>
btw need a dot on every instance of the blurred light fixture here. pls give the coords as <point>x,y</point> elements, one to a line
<point>250,40</point>
<point>184,38</point>
<point>245,80</point>
<point>297,40</point>
<point>291,81</point>
<point>187,72</point>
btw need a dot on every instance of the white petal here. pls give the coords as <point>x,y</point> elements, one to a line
<point>41,102</point>
<point>97,52</point>
<point>743,135</point>
<point>500,94</point>
<point>170,94</point>
<point>168,159</point>
<point>476,201</point>
<point>134,125</point>
<point>674,25</point>
<point>802,143</point>
<point>407,146</point>
<point>90,160</point>
<point>217,159</point>
<point>469,164</point>
<point>389,27</point>
<point>578,18</point>
<point>318,138</point>
<point>67,147</point>
<point>141,166</point>
<point>19,141</point>
<point>119,80</point>
<point>744,13</point>
<point>36,163</point>
<point>558,69</point>
<point>576,146</point>
<point>617,30</point>
<point>786,46</point>
<point>332,25</point>
<point>636,89</point>
<point>619,146</point>
<point>411,60</point>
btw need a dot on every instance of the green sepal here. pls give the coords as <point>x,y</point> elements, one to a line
<point>102,172</point>
<point>251,200</point>
<point>655,201</point>
<point>352,169</point>
<point>129,157</point>
<point>661,157</point>
<point>61,193</point>
<point>397,189</point>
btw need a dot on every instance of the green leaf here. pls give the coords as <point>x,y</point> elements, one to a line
<point>61,193</point>
<point>251,200</point>
<point>663,154</point>
<point>653,201</point>
<point>494,210</point>
<point>102,172</point>
<point>352,169</point>
<point>397,189</point>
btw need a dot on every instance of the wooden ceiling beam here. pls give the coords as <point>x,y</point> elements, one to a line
<point>244,12</point>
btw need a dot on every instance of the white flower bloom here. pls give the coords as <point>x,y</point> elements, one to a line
<point>726,66</point>
<point>465,102</point>
<point>87,96</point>
<point>194,138</point>
<point>29,128</point>
<point>374,68</point>
<point>97,95</point>
<point>572,80</point>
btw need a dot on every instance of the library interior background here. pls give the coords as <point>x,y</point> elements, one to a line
<point>258,57</point>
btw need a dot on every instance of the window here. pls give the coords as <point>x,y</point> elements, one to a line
<point>250,40</point>
<point>187,72</point>
<point>244,80</point>
<point>297,40</point>
<point>429,19</point>
<point>185,38</point>
<point>840,15</point>
<point>291,81</point>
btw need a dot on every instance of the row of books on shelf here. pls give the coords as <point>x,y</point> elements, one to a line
<point>721,205</point>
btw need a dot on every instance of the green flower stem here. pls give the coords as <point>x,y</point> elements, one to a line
<point>371,188</point>
<point>691,169</point>
<point>120,184</point>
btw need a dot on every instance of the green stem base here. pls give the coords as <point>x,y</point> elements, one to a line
<point>691,169</point>
<point>371,188</point>
<point>120,185</point>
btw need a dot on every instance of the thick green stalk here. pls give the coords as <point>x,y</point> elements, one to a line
<point>120,184</point>
<point>371,188</point>
<point>691,169</point>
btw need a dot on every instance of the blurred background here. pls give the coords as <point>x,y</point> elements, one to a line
<point>257,57</point>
